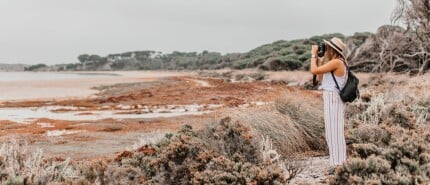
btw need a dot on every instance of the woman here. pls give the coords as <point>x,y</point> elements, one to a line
<point>334,107</point>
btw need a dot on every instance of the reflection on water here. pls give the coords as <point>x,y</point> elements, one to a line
<point>26,115</point>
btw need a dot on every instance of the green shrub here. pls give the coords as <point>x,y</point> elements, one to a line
<point>305,56</point>
<point>290,62</point>
<point>241,64</point>
<point>35,67</point>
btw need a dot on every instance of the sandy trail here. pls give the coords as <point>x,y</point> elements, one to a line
<point>314,172</point>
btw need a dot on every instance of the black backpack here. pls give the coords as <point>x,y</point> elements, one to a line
<point>350,92</point>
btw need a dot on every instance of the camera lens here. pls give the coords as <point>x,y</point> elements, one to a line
<point>321,49</point>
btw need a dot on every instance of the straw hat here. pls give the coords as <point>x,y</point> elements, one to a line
<point>337,45</point>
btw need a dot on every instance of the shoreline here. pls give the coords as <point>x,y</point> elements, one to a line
<point>73,88</point>
<point>133,108</point>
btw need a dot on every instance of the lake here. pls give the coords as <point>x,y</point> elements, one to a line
<point>32,76</point>
<point>60,85</point>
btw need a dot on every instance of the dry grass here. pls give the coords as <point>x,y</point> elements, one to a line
<point>390,108</point>
<point>294,125</point>
<point>290,167</point>
<point>148,138</point>
<point>18,165</point>
<point>235,75</point>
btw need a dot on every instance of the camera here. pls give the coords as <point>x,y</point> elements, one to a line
<point>320,53</point>
<point>321,49</point>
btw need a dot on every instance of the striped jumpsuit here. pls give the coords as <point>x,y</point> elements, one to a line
<point>334,115</point>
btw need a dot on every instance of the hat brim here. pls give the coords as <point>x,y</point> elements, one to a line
<point>334,47</point>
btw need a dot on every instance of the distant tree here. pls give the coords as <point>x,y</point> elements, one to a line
<point>83,58</point>
<point>35,67</point>
<point>71,66</point>
<point>403,46</point>
<point>142,55</point>
<point>94,58</point>
<point>415,14</point>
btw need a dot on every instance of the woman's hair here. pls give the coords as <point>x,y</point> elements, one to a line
<point>333,53</point>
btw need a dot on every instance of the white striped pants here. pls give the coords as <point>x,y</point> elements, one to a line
<point>334,111</point>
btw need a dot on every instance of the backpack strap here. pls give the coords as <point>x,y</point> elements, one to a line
<point>335,81</point>
<point>343,60</point>
<point>347,71</point>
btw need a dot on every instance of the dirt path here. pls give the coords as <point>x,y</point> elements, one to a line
<point>314,172</point>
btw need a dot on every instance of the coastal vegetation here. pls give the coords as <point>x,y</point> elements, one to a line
<point>13,67</point>
<point>223,152</point>
<point>387,133</point>
<point>387,129</point>
<point>390,49</point>
<point>279,55</point>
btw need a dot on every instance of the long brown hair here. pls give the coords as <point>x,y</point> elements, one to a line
<point>332,54</point>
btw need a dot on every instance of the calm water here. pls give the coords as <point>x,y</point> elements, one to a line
<point>46,85</point>
<point>27,115</point>
<point>29,76</point>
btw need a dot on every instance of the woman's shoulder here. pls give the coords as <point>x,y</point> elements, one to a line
<point>337,61</point>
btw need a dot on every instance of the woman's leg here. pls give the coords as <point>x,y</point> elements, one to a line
<point>334,127</point>
<point>339,114</point>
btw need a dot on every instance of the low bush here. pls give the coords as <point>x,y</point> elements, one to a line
<point>387,143</point>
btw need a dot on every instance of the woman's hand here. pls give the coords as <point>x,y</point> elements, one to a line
<point>314,50</point>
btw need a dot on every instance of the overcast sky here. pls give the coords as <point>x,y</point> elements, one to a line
<point>57,31</point>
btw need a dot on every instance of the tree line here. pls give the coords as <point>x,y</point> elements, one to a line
<point>391,49</point>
